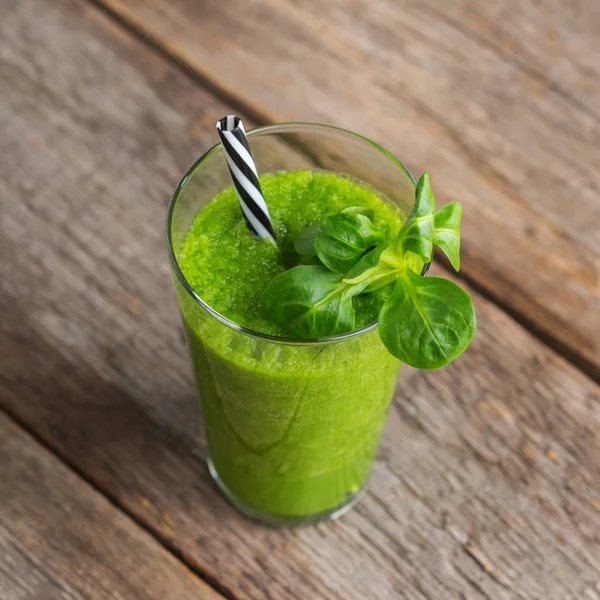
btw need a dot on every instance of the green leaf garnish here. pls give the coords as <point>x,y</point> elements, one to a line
<point>304,242</point>
<point>446,233</point>
<point>426,322</point>
<point>375,269</point>
<point>368,261</point>
<point>343,238</point>
<point>310,301</point>
<point>416,235</point>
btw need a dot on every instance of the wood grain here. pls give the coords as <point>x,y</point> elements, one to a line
<point>62,540</point>
<point>498,100</point>
<point>488,480</point>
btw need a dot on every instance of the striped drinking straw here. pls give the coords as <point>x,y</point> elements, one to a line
<point>245,176</point>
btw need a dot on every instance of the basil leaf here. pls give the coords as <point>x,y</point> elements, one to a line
<point>310,301</point>
<point>416,235</point>
<point>368,261</point>
<point>447,231</point>
<point>304,242</point>
<point>427,321</point>
<point>414,263</point>
<point>373,271</point>
<point>343,238</point>
<point>311,260</point>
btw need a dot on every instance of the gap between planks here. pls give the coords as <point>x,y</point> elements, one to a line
<point>204,78</point>
<point>162,540</point>
<point>262,116</point>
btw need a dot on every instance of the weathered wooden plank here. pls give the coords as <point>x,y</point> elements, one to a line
<point>497,99</point>
<point>554,42</point>
<point>60,539</point>
<point>487,484</point>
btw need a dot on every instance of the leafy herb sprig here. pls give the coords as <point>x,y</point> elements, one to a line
<point>426,322</point>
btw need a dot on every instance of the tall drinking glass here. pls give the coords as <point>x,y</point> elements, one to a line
<point>292,425</point>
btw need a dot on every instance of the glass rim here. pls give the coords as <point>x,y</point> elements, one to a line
<point>276,128</point>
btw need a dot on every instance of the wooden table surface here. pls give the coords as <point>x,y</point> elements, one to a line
<point>487,484</point>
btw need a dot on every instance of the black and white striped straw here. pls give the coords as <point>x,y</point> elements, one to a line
<point>245,176</point>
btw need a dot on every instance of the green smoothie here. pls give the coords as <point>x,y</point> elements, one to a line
<point>292,428</point>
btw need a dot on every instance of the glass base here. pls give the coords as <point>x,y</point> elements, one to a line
<point>282,520</point>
